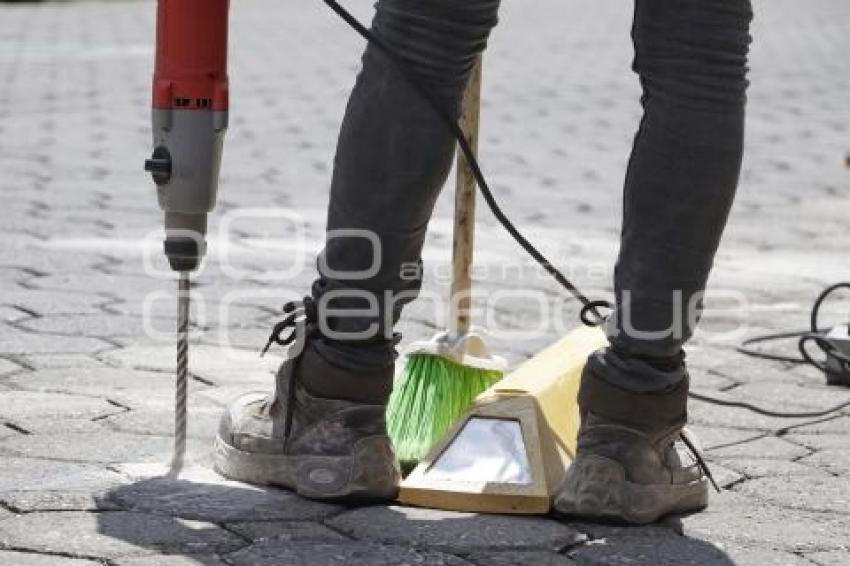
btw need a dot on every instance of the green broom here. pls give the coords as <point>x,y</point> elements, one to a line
<point>442,377</point>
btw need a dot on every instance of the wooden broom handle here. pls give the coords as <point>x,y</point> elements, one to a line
<point>464,225</point>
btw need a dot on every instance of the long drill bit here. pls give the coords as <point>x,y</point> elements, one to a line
<point>182,378</point>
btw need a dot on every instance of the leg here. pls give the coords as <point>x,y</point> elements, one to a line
<point>323,432</point>
<point>392,159</point>
<point>681,181</point>
<point>691,58</point>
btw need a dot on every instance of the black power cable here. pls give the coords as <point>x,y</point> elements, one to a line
<point>589,307</point>
<point>767,412</point>
<point>815,333</point>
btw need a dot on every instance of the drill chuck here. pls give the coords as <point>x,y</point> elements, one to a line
<point>184,244</point>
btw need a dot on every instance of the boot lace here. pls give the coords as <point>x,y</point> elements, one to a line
<point>300,314</point>
<point>697,454</point>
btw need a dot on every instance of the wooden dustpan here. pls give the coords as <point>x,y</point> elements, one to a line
<point>508,454</point>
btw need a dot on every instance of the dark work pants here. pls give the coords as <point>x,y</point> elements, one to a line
<point>394,156</point>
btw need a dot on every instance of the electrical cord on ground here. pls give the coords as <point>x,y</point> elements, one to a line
<point>815,334</point>
<point>767,412</point>
<point>589,307</point>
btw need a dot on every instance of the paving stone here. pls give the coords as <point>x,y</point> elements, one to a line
<point>711,437</point>
<point>7,367</point>
<point>831,558</point>
<point>508,558</point>
<point>39,425</point>
<point>724,476</point>
<point>23,474</point>
<point>24,407</point>
<point>738,368</point>
<point>128,388</point>
<point>114,533</point>
<point>59,500</point>
<point>94,325</point>
<point>794,397</point>
<point>241,380</point>
<point>32,559</point>
<point>608,531</point>
<point>708,380</point>
<point>833,425</point>
<point>9,314</point>
<point>106,284</point>
<point>223,396</point>
<point>210,318</point>
<point>762,555</point>
<point>454,532</point>
<point>62,361</point>
<point>768,447</point>
<point>208,362</point>
<point>779,528</point>
<point>760,467</point>
<point>821,441</point>
<point>203,422</point>
<point>832,461</point>
<point>240,338</point>
<point>285,530</point>
<point>52,302</point>
<point>652,551</point>
<point>108,447</point>
<point>40,485</point>
<point>273,552</point>
<point>20,342</point>
<point>202,494</point>
<point>712,415</point>
<point>6,431</point>
<point>816,493</point>
<point>170,560</point>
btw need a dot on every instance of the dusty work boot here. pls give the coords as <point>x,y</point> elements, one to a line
<point>322,433</point>
<point>635,462</point>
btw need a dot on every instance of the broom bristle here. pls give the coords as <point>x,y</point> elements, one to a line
<point>432,393</point>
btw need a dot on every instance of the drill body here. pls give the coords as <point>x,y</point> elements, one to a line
<point>189,117</point>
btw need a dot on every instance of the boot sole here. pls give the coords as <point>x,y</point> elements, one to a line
<point>597,489</point>
<point>369,474</point>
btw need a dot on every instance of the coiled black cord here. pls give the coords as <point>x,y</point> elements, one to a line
<point>815,334</point>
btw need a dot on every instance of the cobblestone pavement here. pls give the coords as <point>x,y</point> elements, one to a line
<point>86,344</point>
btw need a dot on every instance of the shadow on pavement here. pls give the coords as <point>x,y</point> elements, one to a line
<point>200,517</point>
